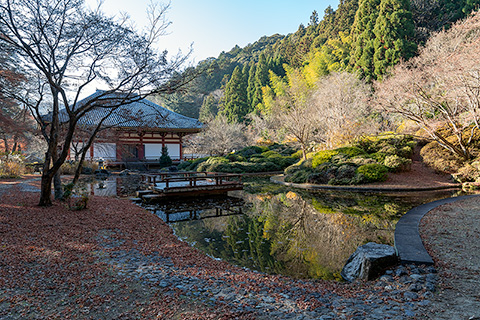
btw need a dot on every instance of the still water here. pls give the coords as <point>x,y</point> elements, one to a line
<point>291,232</point>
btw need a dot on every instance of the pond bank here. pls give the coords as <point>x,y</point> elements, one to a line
<point>116,260</point>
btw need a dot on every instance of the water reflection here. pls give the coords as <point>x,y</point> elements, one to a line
<point>110,186</point>
<point>303,235</point>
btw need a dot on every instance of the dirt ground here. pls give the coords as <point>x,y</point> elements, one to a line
<point>451,234</point>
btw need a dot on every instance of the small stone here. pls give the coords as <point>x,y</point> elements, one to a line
<point>430,286</point>
<point>415,287</point>
<point>409,295</point>
<point>417,277</point>
<point>401,270</point>
<point>386,278</point>
<point>409,313</point>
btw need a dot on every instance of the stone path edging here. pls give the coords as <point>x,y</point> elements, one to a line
<point>308,186</point>
<point>408,244</point>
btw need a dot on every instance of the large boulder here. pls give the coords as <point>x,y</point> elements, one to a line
<point>369,261</point>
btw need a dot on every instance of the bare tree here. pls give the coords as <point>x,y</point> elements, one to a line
<point>219,137</point>
<point>336,106</point>
<point>66,48</point>
<point>297,114</point>
<point>342,100</point>
<point>441,87</point>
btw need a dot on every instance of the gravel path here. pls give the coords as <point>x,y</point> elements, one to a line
<point>451,234</point>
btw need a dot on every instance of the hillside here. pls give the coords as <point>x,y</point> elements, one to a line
<point>347,38</point>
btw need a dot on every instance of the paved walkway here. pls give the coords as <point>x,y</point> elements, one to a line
<point>408,243</point>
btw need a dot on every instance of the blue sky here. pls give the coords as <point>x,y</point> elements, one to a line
<point>214,26</point>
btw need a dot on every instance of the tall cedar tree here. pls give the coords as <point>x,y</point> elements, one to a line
<point>261,79</point>
<point>394,32</point>
<point>251,84</point>
<point>363,38</point>
<point>209,108</point>
<point>235,105</point>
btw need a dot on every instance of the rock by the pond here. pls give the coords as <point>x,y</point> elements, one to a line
<point>369,261</point>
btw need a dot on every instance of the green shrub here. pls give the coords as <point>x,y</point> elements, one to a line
<point>351,151</point>
<point>69,167</point>
<point>233,157</point>
<point>298,154</point>
<point>373,172</point>
<point>184,164</point>
<point>405,152</point>
<point>396,164</point>
<point>361,160</point>
<point>195,163</point>
<point>270,153</point>
<point>249,151</point>
<point>467,173</point>
<point>322,157</point>
<point>300,176</point>
<point>379,156</point>
<point>340,158</point>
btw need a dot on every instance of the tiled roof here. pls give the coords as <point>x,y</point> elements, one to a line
<point>139,114</point>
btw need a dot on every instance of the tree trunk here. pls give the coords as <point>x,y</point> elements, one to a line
<point>45,189</point>
<point>57,185</point>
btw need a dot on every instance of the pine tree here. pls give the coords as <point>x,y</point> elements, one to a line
<point>394,32</point>
<point>235,105</point>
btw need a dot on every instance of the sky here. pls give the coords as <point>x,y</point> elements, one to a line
<point>213,26</point>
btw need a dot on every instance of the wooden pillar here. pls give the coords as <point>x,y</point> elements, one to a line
<point>91,152</point>
<point>141,149</point>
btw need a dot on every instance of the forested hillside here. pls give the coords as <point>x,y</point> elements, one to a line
<point>366,37</point>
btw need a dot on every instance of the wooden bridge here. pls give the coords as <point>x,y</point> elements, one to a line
<point>196,208</point>
<point>188,184</point>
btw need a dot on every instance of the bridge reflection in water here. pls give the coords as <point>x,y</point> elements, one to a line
<point>197,208</point>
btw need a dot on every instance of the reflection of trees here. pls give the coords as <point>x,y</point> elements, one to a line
<point>308,242</point>
<point>245,238</point>
<point>301,236</point>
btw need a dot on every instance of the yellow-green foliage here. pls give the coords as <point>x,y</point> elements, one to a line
<point>351,151</point>
<point>373,172</point>
<point>323,157</point>
<point>396,164</point>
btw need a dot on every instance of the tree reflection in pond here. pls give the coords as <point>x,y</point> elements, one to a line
<point>303,235</point>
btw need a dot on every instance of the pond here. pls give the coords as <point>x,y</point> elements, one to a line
<point>280,231</point>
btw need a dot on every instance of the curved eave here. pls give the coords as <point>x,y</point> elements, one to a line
<point>187,130</point>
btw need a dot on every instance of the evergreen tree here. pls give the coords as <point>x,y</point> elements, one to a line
<point>394,32</point>
<point>261,79</point>
<point>235,105</point>
<point>314,18</point>
<point>209,108</point>
<point>251,85</point>
<point>363,38</point>
<point>165,159</point>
